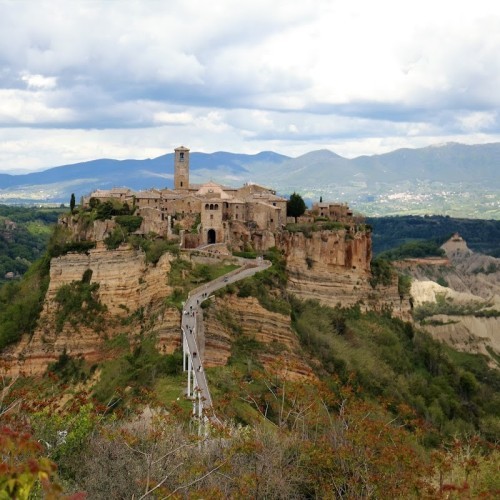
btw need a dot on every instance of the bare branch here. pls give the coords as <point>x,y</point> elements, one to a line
<point>195,481</point>
<point>161,482</point>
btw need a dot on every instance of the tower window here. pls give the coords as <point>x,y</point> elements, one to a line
<point>181,183</point>
<point>181,156</point>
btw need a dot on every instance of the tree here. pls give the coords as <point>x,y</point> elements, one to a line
<point>295,206</point>
<point>321,199</point>
<point>72,202</point>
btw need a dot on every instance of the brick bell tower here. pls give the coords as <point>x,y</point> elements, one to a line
<point>181,169</point>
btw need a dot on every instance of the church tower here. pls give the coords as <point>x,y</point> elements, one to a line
<point>181,168</point>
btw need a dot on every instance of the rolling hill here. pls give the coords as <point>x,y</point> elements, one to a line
<point>453,179</point>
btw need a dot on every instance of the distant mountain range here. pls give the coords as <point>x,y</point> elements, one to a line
<point>447,179</point>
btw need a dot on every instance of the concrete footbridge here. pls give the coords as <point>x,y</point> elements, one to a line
<point>197,386</point>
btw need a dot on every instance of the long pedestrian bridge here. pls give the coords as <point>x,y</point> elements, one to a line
<point>197,386</point>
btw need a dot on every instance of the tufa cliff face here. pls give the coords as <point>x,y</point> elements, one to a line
<point>126,282</point>
<point>133,294</point>
<point>233,319</point>
<point>333,267</point>
<point>330,266</point>
<point>127,285</point>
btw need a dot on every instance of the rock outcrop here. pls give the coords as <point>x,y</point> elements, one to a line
<point>132,292</point>
<point>471,333</point>
<point>330,266</point>
<point>468,334</point>
<point>126,281</point>
<point>333,267</point>
<point>232,319</point>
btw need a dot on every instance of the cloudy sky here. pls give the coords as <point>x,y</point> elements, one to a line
<point>81,80</point>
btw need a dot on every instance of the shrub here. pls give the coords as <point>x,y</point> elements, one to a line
<point>67,368</point>
<point>78,302</point>
<point>115,239</point>
<point>382,272</point>
<point>404,285</point>
<point>130,223</point>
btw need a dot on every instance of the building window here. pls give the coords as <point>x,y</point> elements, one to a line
<point>211,216</point>
<point>181,156</point>
<point>216,206</point>
<point>211,206</point>
<point>181,183</point>
<point>274,204</point>
<point>207,206</point>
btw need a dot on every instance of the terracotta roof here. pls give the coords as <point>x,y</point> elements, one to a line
<point>267,196</point>
<point>148,195</point>
<point>120,190</point>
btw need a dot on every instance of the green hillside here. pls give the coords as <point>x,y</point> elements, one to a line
<point>389,413</point>
<point>482,236</point>
<point>24,241</point>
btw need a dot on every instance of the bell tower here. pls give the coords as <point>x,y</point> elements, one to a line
<point>181,168</point>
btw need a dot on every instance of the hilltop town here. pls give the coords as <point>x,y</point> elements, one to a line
<point>209,213</point>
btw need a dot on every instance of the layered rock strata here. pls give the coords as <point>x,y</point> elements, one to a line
<point>127,285</point>
<point>232,318</point>
<point>330,266</point>
<point>333,267</point>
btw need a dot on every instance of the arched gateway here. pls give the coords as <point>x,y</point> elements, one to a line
<point>211,236</point>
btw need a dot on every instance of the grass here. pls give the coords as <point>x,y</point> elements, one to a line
<point>183,279</point>
<point>37,227</point>
<point>171,391</point>
<point>184,276</point>
<point>218,270</point>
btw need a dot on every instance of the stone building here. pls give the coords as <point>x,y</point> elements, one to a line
<point>332,211</point>
<point>206,211</point>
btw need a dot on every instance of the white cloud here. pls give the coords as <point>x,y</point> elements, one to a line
<point>244,76</point>
<point>166,118</point>
<point>39,81</point>
<point>477,121</point>
<point>23,107</point>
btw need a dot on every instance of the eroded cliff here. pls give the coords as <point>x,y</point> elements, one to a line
<point>232,321</point>
<point>131,293</point>
<point>333,267</point>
